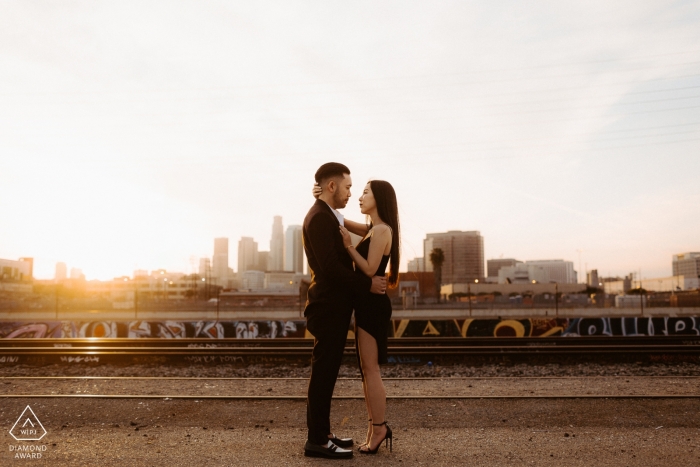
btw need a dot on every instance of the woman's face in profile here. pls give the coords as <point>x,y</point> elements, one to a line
<point>367,202</point>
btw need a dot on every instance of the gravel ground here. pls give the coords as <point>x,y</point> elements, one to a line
<point>517,386</point>
<point>437,433</point>
<point>389,371</point>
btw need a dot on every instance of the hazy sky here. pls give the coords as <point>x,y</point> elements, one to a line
<point>133,133</point>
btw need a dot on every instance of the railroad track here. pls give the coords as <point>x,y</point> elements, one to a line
<point>401,350</point>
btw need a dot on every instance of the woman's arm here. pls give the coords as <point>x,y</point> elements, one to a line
<point>380,240</point>
<point>356,227</point>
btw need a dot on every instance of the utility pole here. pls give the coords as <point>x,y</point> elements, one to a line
<point>57,301</point>
<point>579,263</point>
<point>469,297</point>
<point>218,294</point>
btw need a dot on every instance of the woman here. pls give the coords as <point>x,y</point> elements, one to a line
<point>378,248</point>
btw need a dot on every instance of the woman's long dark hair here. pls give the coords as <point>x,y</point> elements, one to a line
<point>388,210</point>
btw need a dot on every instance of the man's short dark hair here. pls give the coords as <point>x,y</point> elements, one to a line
<point>331,170</point>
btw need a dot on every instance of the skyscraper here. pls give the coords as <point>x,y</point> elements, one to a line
<point>247,254</point>
<point>61,272</point>
<point>464,255</point>
<point>30,262</point>
<point>220,260</point>
<point>276,262</point>
<point>263,261</point>
<point>294,250</point>
<point>77,273</point>
<point>204,267</point>
<point>686,264</point>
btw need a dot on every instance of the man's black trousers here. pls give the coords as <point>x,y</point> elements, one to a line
<point>330,329</point>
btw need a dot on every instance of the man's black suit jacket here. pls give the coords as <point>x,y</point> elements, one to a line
<point>333,279</point>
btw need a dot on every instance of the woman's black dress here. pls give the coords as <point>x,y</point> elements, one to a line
<point>373,311</point>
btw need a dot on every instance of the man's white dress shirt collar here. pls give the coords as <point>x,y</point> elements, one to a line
<point>341,218</point>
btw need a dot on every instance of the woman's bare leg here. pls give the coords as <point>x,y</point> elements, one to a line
<point>364,390</point>
<point>369,411</point>
<point>375,394</point>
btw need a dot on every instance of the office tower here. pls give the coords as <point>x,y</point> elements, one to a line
<point>592,278</point>
<point>277,245</point>
<point>76,273</point>
<point>30,263</point>
<point>219,265</point>
<point>204,267</point>
<point>247,254</point>
<point>263,261</point>
<point>464,255</point>
<point>560,271</point>
<point>494,265</point>
<point>416,265</point>
<point>61,272</point>
<point>293,250</point>
<point>686,264</point>
<point>11,270</point>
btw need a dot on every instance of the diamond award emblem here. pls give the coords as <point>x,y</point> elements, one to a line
<point>28,427</point>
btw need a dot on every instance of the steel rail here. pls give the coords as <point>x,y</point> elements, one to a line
<point>300,378</point>
<point>241,397</point>
<point>392,348</point>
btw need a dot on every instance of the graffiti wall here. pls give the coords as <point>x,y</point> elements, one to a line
<point>400,328</point>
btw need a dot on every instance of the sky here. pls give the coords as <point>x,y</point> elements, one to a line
<point>133,133</point>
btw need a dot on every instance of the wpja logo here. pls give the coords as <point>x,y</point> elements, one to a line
<point>28,427</point>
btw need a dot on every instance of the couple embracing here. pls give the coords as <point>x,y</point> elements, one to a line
<point>344,278</point>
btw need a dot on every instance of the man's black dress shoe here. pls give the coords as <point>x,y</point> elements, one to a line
<point>342,442</point>
<point>332,452</point>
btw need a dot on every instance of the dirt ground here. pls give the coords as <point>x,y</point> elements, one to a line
<point>575,432</point>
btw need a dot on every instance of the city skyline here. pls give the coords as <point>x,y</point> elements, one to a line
<point>563,130</point>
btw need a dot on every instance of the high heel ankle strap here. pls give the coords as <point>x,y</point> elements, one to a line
<point>379,424</point>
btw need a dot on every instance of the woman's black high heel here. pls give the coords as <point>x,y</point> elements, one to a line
<point>388,436</point>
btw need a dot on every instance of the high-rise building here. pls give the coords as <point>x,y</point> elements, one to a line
<point>30,263</point>
<point>247,254</point>
<point>592,278</point>
<point>263,261</point>
<point>560,271</point>
<point>219,264</point>
<point>11,270</point>
<point>464,255</point>
<point>494,265</point>
<point>61,272</point>
<point>76,273</point>
<point>276,262</point>
<point>294,250</point>
<point>416,265</point>
<point>686,264</point>
<point>204,267</point>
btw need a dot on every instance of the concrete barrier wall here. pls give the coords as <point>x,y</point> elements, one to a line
<point>272,329</point>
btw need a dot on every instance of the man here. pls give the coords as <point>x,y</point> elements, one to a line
<point>329,305</point>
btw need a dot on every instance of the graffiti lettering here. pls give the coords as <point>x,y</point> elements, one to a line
<point>80,359</point>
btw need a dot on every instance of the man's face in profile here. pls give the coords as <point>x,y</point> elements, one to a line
<point>342,192</point>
